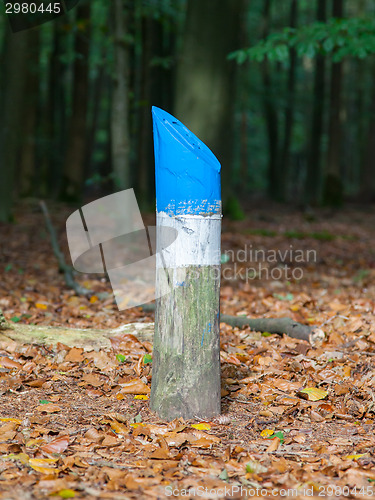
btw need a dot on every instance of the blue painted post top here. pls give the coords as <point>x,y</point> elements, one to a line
<point>187,172</point>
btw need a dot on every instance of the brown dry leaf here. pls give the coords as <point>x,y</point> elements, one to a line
<point>300,438</point>
<point>57,445</point>
<point>6,362</point>
<point>125,338</point>
<point>52,486</point>
<point>92,379</point>
<point>275,443</point>
<point>110,440</point>
<point>285,385</point>
<point>80,462</point>
<point>94,436</point>
<point>8,431</point>
<point>135,387</point>
<point>36,383</point>
<point>162,453</point>
<point>202,442</point>
<point>119,428</point>
<point>48,408</point>
<point>176,439</point>
<point>101,360</point>
<point>75,355</point>
<point>315,416</point>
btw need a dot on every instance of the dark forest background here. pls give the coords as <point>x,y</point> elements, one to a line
<point>283,92</point>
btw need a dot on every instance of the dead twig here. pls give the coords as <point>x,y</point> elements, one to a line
<point>63,266</point>
<point>272,325</point>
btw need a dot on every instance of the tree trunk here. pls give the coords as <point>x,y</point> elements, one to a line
<point>271,116</point>
<point>75,158</point>
<point>368,172</point>
<point>289,112</point>
<point>314,160</point>
<point>333,189</point>
<point>120,138</point>
<point>206,79</point>
<point>151,94</point>
<point>28,153</point>
<point>11,116</point>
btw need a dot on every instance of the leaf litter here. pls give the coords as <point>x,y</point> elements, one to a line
<point>76,423</point>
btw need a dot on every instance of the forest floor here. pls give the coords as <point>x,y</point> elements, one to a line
<point>76,423</point>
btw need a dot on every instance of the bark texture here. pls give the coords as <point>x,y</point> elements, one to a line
<point>186,355</point>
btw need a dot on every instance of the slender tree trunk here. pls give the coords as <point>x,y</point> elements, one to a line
<point>289,112</point>
<point>271,115</point>
<point>120,135</point>
<point>151,94</point>
<point>333,190</point>
<point>11,116</point>
<point>206,79</point>
<point>51,120</point>
<point>28,153</point>
<point>368,171</point>
<point>243,108</point>
<point>97,91</point>
<point>314,160</point>
<point>75,158</point>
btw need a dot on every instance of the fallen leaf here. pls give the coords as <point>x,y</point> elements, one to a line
<point>313,394</point>
<point>15,420</point>
<point>275,443</point>
<point>92,379</point>
<point>40,305</point>
<point>48,408</point>
<point>57,445</point>
<point>6,362</point>
<point>203,426</point>
<point>267,433</point>
<point>135,387</point>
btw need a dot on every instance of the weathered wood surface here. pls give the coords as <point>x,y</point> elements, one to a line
<point>88,339</point>
<point>186,354</point>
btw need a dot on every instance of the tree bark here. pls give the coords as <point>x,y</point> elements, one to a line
<point>120,135</point>
<point>271,116</point>
<point>77,140</point>
<point>28,154</point>
<point>368,171</point>
<point>314,160</point>
<point>205,84</point>
<point>151,95</point>
<point>289,112</point>
<point>333,190</point>
<point>11,116</point>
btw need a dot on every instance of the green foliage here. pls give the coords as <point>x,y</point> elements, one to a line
<point>147,358</point>
<point>338,38</point>
<point>233,210</point>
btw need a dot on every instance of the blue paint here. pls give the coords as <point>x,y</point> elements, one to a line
<point>209,330</point>
<point>187,172</point>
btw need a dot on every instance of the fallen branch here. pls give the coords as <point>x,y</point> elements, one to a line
<point>63,266</point>
<point>272,325</point>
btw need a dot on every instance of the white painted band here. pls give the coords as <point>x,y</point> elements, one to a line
<point>197,243</point>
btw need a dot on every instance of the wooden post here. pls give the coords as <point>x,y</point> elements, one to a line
<point>186,355</point>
